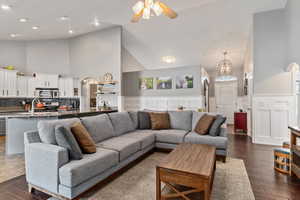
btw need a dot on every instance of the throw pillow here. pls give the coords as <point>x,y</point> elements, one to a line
<point>66,139</point>
<point>159,121</point>
<point>144,120</point>
<point>216,125</point>
<point>83,138</point>
<point>204,124</point>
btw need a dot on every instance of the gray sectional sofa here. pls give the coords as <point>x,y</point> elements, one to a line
<point>118,141</point>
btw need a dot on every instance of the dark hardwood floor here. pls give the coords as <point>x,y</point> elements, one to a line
<point>266,183</point>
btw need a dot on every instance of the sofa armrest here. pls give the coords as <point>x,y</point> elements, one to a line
<point>223,132</point>
<point>42,162</point>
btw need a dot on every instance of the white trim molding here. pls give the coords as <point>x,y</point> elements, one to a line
<point>271,117</point>
<point>162,103</point>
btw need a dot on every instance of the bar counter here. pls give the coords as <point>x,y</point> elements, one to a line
<point>20,122</point>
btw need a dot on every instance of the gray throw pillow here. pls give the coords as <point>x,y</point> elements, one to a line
<point>216,126</point>
<point>65,138</point>
<point>134,118</point>
<point>144,120</point>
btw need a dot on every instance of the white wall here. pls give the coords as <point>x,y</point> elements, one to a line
<point>48,56</point>
<point>13,53</point>
<point>270,54</point>
<point>92,54</point>
<point>96,53</point>
<point>292,20</point>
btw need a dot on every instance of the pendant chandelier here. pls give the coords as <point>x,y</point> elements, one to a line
<point>224,67</point>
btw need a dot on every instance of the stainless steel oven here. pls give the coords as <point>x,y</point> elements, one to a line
<point>47,93</point>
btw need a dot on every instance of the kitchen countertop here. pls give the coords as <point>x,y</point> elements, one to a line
<point>74,113</point>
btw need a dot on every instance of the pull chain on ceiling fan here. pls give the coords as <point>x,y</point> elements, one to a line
<point>144,9</point>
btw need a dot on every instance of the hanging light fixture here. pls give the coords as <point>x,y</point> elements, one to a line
<point>224,67</point>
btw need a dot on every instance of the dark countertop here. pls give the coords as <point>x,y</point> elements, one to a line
<point>60,114</point>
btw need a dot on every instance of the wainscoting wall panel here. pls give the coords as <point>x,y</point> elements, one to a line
<point>162,103</point>
<point>271,117</point>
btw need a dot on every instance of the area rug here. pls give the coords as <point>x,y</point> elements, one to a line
<point>138,183</point>
<point>10,166</point>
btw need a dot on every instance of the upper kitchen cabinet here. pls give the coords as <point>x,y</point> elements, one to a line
<point>8,83</point>
<point>68,87</point>
<point>22,86</point>
<point>46,80</point>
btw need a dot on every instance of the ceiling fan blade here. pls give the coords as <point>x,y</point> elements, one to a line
<point>168,11</point>
<point>137,17</point>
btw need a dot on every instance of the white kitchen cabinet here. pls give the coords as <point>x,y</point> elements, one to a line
<point>46,80</point>
<point>22,86</point>
<point>32,84</point>
<point>8,83</point>
<point>68,87</point>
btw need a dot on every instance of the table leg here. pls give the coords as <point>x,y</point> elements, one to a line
<point>158,185</point>
<point>207,192</point>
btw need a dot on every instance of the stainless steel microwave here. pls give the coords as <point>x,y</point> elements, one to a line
<point>47,93</point>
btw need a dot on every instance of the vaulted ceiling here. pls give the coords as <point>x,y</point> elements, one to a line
<point>203,30</point>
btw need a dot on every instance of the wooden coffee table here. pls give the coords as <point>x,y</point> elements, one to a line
<point>190,166</point>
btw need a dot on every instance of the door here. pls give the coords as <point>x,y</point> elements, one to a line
<point>226,99</point>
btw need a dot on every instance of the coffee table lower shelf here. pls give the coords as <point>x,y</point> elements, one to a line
<point>181,185</point>
<point>178,192</point>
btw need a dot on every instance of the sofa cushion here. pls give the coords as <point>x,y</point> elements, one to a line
<point>145,137</point>
<point>195,138</point>
<point>204,124</point>
<point>172,136</point>
<point>65,138</point>
<point>78,171</point>
<point>125,146</point>
<point>216,126</point>
<point>181,120</point>
<point>121,122</point>
<point>99,127</point>
<point>144,120</point>
<point>46,128</point>
<point>159,120</point>
<point>83,138</point>
<point>196,117</point>
<point>134,118</point>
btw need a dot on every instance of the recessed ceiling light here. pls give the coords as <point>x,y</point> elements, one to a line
<point>169,59</point>
<point>96,22</point>
<point>64,18</point>
<point>14,35</point>
<point>35,27</point>
<point>5,7</point>
<point>23,20</point>
<point>71,31</point>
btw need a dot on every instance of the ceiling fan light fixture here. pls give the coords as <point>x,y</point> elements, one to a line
<point>138,7</point>
<point>157,9</point>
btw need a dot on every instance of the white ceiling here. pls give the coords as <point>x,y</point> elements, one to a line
<point>198,36</point>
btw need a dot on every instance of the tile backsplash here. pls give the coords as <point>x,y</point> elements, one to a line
<point>15,104</point>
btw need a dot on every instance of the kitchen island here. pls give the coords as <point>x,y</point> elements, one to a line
<point>18,123</point>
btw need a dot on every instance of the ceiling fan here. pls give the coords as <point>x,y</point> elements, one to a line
<point>147,8</point>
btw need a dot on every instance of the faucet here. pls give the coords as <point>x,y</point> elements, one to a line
<point>33,104</point>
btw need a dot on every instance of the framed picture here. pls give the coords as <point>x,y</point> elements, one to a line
<point>184,82</point>
<point>146,83</point>
<point>163,83</point>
